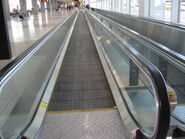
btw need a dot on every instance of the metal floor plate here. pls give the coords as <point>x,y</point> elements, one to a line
<point>83,125</point>
<point>179,113</point>
<point>81,83</point>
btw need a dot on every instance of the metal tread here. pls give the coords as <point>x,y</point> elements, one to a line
<point>83,125</point>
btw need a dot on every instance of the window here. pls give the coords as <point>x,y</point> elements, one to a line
<point>168,7</point>
<point>134,7</point>
<point>125,6</point>
<point>157,8</point>
<point>14,4</point>
<point>119,5</point>
<point>182,11</point>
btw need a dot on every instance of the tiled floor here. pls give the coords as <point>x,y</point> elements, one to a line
<point>24,33</point>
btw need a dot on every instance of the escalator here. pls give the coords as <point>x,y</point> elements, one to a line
<point>82,82</point>
<point>170,63</point>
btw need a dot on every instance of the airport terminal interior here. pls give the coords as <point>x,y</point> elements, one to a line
<point>92,69</point>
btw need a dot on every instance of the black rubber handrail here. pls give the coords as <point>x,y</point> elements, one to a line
<point>174,56</point>
<point>171,24</point>
<point>161,95</point>
<point>21,57</point>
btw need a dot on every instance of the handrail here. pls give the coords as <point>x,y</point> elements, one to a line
<point>178,58</point>
<point>15,62</point>
<point>161,95</point>
<point>167,23</point>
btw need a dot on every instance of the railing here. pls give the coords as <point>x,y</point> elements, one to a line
<point>23,81</point>
<point>166,61</point>
<point>141,85</point>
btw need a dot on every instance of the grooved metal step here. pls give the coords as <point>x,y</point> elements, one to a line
<point>83,125</point>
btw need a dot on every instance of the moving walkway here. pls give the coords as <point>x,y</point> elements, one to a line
<point>80,81</point>
<point>170,63</point>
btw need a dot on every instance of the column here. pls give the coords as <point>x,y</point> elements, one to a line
<point>48,6</point>
<point>42,7</point>
<point>34,7</point>
<point>54,4</point>
<point>175,11</point>
<point>144,8</point>
<point>5,49</point>
<point>111,5</point>
<point>7,9</point>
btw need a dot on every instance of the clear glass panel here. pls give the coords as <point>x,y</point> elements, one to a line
<point>134,7</point>
<point>134,84</point>
<point>21,92</point>
<point>182,12</point>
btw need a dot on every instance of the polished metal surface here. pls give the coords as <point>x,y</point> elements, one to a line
<point>81,83</point>
<point>83,125</point>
